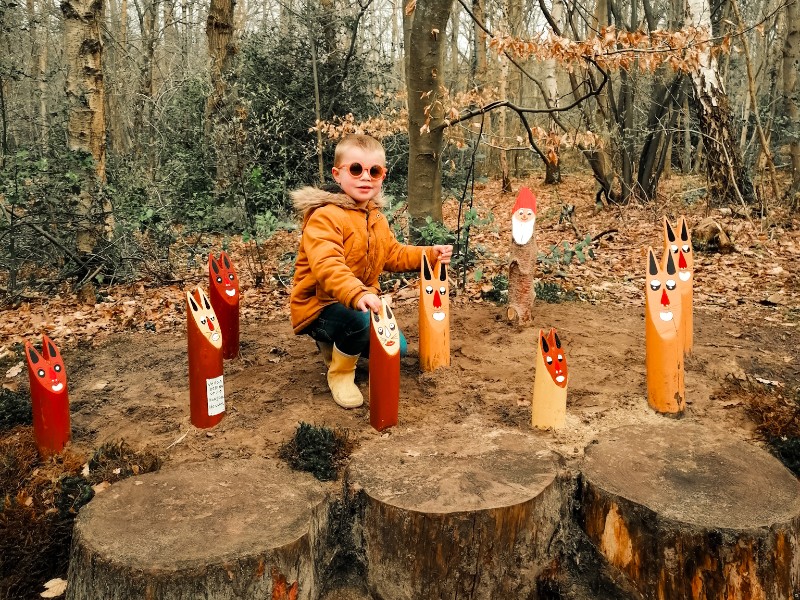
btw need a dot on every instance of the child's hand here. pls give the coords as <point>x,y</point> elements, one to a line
<point>443,254</point>
<point>369,302</point>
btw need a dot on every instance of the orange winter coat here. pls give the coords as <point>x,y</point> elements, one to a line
<point>343,251</point>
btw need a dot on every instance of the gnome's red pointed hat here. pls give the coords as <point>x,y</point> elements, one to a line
<point>525,200</point>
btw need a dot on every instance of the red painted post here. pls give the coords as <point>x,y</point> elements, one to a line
<point>384,368</point>
<point>206,390</point>
<point>223,290</point>
<point>48,381</point>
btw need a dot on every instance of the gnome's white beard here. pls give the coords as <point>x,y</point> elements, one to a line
<point>522,231</point>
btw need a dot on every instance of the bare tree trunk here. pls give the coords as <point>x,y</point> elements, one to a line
<point>86,135</point>
<point>729,181</point>
<point>41,78</point>
<point>424,28</point>
<point>221,103</point>
<point>552,167</point>
<point>791,89</point>
<point>502,125</point>
<point>479,47</point>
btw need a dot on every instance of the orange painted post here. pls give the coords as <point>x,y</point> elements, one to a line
<point>206,389</point>
<point>384,368</point>
<point>223,290</point>
<point>549,405</point>
<point>663,345</point>
<point>682,253</point>
<point>434,316</point>
<point>49,397</point>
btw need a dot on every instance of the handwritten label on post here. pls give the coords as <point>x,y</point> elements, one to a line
<point>215,391</point>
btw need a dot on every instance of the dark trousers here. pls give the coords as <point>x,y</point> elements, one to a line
<point>347,328</point>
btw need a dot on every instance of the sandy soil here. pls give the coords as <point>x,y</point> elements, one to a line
<point>134,386</point>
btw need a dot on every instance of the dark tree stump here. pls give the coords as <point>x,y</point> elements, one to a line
<point>466,515</point>
<point>223,531</point>
<point>685,512</point>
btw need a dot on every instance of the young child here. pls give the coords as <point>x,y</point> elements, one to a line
<point>346,244</point>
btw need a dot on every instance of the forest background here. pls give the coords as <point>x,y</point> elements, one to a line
<point>128,128</point>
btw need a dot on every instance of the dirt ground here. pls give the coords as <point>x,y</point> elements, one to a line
<point>134,386</point>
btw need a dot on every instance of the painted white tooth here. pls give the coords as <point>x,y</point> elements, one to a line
<point>214,337</point>
<point>560,379</point>
<point>438,316</point>
<point>665,316</point>
<point>58,387</point>
<point>230,292</point>
<point>684,275</point>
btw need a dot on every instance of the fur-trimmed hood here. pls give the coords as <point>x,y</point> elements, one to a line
<point>308,198</point>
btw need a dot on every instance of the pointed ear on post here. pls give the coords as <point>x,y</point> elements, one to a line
<point>213,263</point>
<point>225,260</point>
<point>671,270</point>
<point>426,267</point>
<point>442,272</point>
<point>651,262</point>
<point>668,230</point>
<point>545,345</point>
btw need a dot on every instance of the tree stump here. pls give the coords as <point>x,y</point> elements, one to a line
<point>229,530</point>
<point>686,512</point>
<point>470,514</point>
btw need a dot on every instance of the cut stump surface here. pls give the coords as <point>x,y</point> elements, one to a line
<point>686,512</point>
<point>225,530</point>
<point>458,514</point>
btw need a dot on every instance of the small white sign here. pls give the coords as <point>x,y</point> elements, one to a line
<point>215,391</point>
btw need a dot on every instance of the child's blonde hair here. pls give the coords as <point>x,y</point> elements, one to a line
<point>357,140</point>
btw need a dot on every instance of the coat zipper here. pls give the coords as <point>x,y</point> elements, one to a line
<point>366,269</point>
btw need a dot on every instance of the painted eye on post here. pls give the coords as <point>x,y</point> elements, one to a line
<point>57,368</point>
<point>655,285</point>
<point>686,248</point>
<point>380,330</point>
<point>219,279</point>
<point>549,360</point>
<point>428,290</point>
<point>560,358</point>
<point>212,318</point>
<point>521,212</point>
<point>392,326</point>
<point>203,321</point>
<point>671,284</point>
<point>443,291</point>
<point>230,276</point>
<point>40,372</point>
<point>674,248</point>
<point>530,212</point>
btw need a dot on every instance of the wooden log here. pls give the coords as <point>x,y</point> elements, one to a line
<point>466,514</point>
<point>682,511</point>
<point>231,530</point>
<point>434,316</point>
<point>522,266</point>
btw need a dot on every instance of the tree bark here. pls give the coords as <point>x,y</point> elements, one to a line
<point>424,27</point>
<point>86,134</point>
<point>221,107</point>
<point>791,90</point>
<point>521,279</point>
<point>686,514</point>
<point>729,181</point>
<point>552,167</point>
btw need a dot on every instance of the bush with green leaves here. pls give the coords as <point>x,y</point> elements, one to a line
<point>563,254</point>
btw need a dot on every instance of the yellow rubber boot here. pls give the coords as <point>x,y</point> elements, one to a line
<point>326,350</point>
<point>341,380</point>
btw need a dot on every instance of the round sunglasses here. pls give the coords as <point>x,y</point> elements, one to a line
<point>356,169</point>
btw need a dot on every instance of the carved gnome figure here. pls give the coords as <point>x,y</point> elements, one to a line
<point>521,293</point>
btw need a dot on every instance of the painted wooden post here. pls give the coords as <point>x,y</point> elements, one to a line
<point>49,398</point>
<point>384,368</point>
<point>206,389</point>
<point>522,267</point>
<point>434,316</point>
<point>223,291</point>
<point>681,248</point>
<point>549,405</point>
<point>663,346</point>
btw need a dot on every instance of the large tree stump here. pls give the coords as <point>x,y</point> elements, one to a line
<point>685,512</point>
<point>228,530</point>
<point>465,515</point>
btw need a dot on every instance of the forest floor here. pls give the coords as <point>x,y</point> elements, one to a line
<point>127,368</point>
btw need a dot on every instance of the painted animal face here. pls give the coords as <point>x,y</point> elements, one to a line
<point>553,356</point>
<point>662,296</point>
<point>202,315</point>
<point>680,246</point>
<point>435,292</point>
<point>223,276</point>
<point>523,217</point>
<point>386,330</point>
<point>47,367</point>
